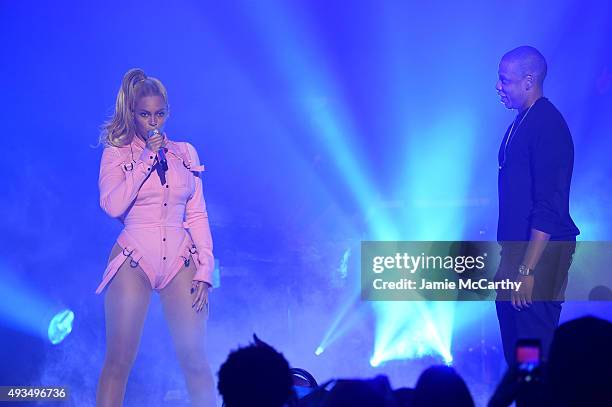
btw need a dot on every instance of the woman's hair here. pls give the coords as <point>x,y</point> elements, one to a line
<point>119,129</point>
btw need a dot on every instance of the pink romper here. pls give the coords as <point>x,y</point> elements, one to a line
<point>165,220</point>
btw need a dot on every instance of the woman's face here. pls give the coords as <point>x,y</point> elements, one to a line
<point>150,113</point>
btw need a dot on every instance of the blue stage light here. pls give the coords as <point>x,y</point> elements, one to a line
<point>343,269</point>
<point>60,326</point>
<point>374,362</point>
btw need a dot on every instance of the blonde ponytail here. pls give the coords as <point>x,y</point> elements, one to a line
<point>119,129</point>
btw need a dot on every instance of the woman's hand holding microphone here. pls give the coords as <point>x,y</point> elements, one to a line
<point>155,141</point>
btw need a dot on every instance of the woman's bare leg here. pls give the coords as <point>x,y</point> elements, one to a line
<point>125,306</point>
<point>188,330</point>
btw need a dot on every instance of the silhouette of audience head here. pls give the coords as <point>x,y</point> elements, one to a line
<point>404,396</point>
<point>256,375</point>
<point>579,370</point>
<point>441,386</point>
<point>578,373</point>
<point>361,393</point>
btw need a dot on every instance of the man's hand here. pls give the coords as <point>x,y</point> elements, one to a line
<point>521,299</point>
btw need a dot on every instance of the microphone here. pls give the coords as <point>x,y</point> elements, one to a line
<point>161,155</point>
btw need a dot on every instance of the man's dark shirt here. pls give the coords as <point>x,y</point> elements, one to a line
<point>535,176</point>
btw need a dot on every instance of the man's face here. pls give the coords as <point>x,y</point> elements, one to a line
<point>511,85</point>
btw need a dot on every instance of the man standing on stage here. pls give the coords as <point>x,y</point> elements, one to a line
<point>535,230</point>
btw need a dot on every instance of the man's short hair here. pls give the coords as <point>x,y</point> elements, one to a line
<point>255,375</point>
<point>530,61</point>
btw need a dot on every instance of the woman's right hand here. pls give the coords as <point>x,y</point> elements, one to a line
<point>155,142</point>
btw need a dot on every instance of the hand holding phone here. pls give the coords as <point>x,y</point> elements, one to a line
<point>528,359</point>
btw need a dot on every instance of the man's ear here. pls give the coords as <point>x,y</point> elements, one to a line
<point>529,81</point>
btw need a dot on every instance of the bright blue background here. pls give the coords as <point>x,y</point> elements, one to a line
<point>320,123</point>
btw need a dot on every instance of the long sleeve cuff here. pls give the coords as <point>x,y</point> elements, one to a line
<point>205,261</point>
<point>205,265</point>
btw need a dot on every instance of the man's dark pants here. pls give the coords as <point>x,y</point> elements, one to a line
<point>540,320</point>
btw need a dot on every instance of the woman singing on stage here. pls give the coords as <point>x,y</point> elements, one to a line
<point>152,185</point>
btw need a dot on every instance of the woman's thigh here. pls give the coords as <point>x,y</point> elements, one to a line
<point>188,327</point>
<point>126,303</point>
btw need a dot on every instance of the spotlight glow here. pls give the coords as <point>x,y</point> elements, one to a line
<point>374,362</point>
<point>60,326</point>
<point>343,269</point>
<point>22,307</point>
<point>407,331</point>
<point>349,315</point>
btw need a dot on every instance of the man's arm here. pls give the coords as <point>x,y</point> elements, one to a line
<point>551,155</point>
<point>537,243</point>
